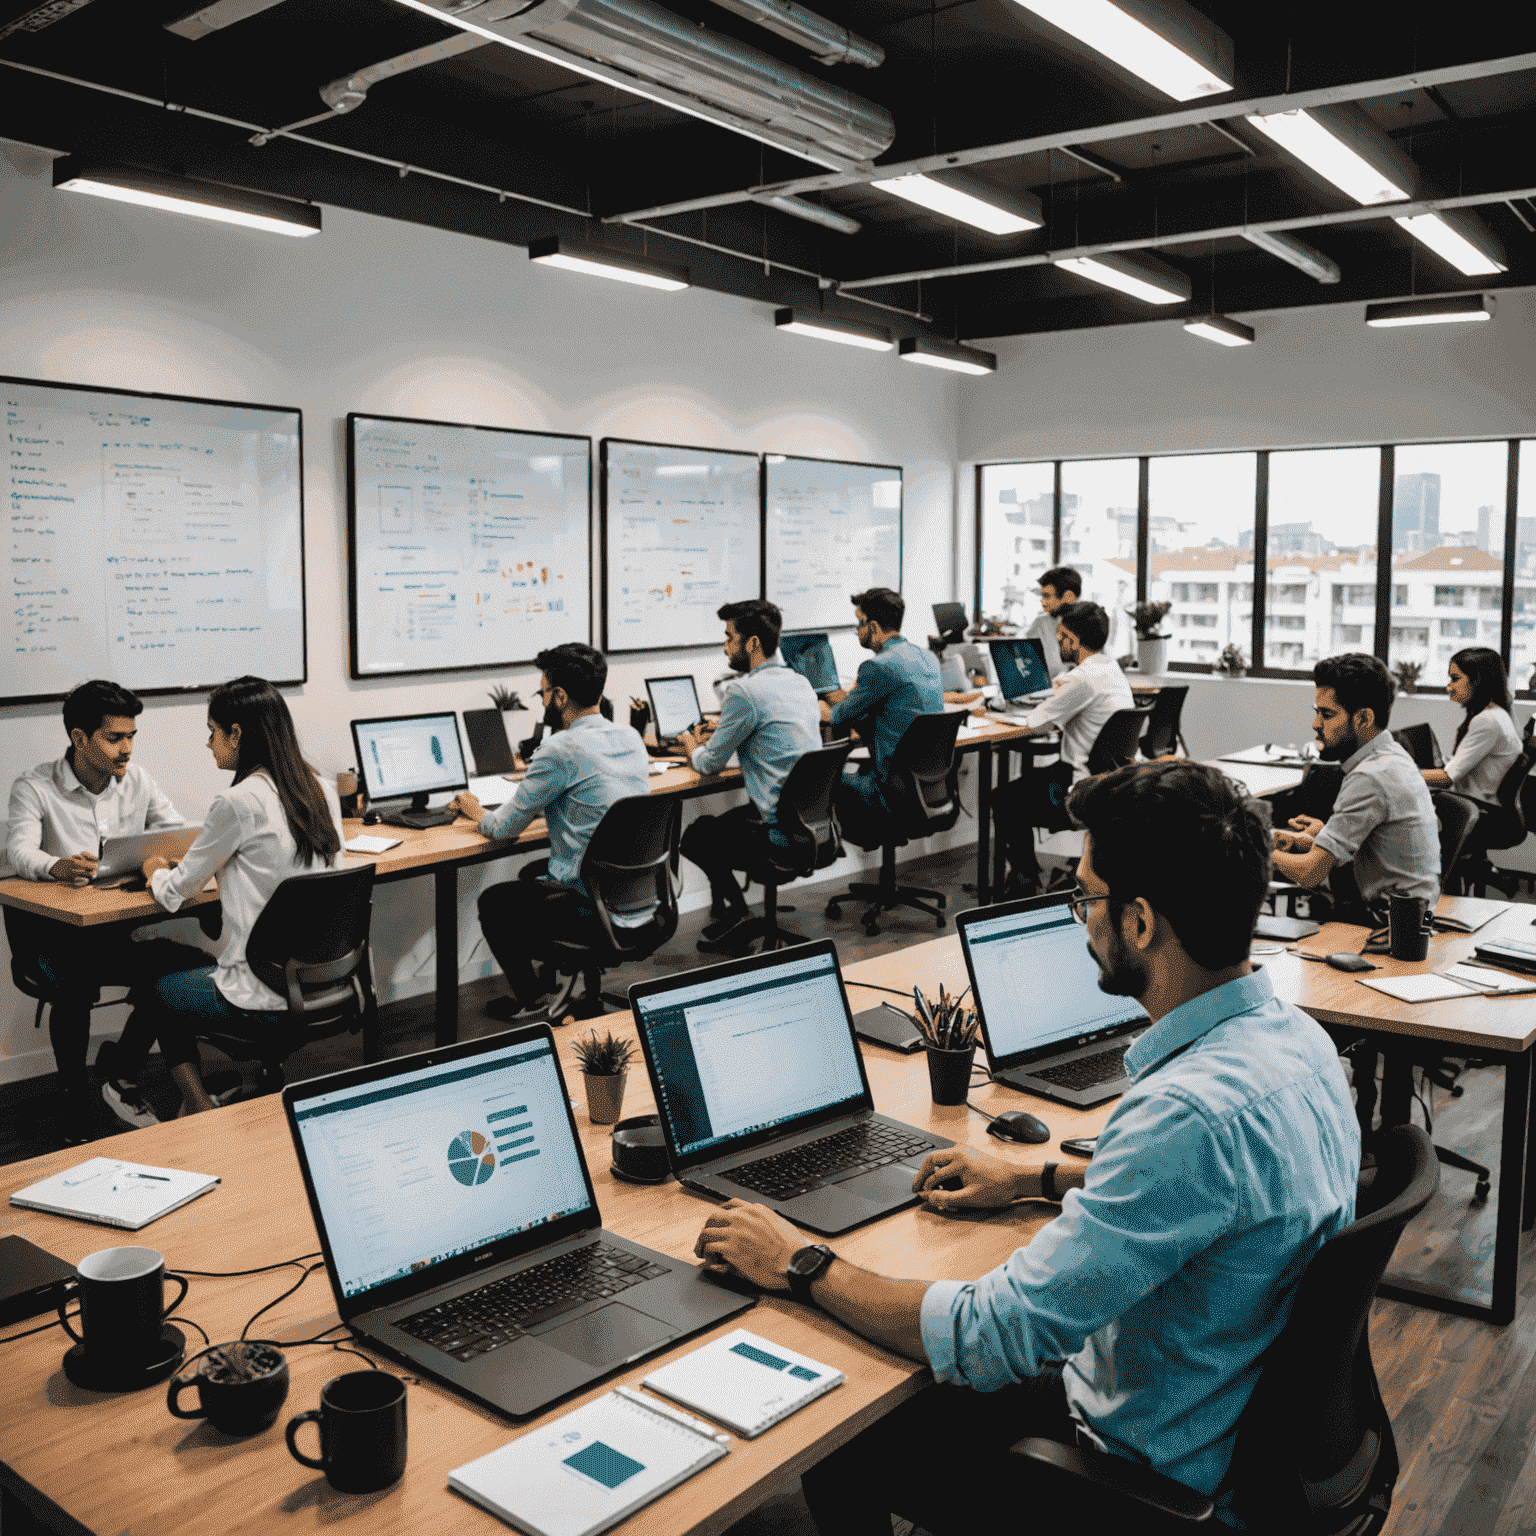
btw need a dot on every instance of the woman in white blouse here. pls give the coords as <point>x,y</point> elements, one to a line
<point>1487,743</point>
<point>277,819</point>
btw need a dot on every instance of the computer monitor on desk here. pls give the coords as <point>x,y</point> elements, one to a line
<point>1021,668</point>
<point>810,655</point>
<point>404,759</point>
<point>950,621</point>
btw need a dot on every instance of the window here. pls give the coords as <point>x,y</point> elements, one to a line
<point>1522,640</point>
<point>1399,596</point>
<point>1322,523</point>
<point>1017,514</point>
<point>1286,621</point>
<point>1491,597</point>
<point>1459,629</point>
<point>1409,636</point>
<point>1450,597</point>
<point>1291,592</point>
<point>1346,637</point>
<point>1098,521</point>
<point>1178,592</point>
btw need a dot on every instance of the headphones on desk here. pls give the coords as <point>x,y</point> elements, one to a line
<point>640,1151</point>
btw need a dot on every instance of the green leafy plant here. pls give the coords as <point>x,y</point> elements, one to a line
<point>1407,675</point>
<point>605,1057</point>
<point>506,698</point>
<point>1148,619</point>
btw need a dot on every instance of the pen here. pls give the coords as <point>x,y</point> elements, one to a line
<point>159,1178</point>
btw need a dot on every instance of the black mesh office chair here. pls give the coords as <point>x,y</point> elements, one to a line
<point>1118,738</point>
<point>310,946</point>
<point>1315,1454</point>
<point>1162,737</point>
<point>1502,825</point>
<point>630,867</point>
<point>922,789</point>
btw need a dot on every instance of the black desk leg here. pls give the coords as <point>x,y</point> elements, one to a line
<point>983,825</point>
<point>1000,856</point>
<point>445,883</point>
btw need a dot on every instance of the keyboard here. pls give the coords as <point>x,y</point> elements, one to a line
<point>493,1316</point>
<point>1086,1071</point>
<point>859,1149</point>
<point>420,820</point>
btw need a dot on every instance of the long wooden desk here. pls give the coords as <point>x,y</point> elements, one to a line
<point>83,1462</point>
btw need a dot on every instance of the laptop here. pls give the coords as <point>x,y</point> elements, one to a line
<point>487,732</point>
<point>123,856</point>
<point>461,1232</point>
<point>1021,671</point>
<point>674,707</point>
<point>1045,1024</point>
<point>811,656</point>
<point>763,1095</point>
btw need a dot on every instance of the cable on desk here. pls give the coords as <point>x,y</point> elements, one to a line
<point>286,1294</point>
<point>232,1274</point>
<point>894,991</point>
<point>41,1328</point>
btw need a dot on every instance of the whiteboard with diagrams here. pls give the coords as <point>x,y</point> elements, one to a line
<point>153,539</point>
<point>682,534</point>
<point>471,546</point>
<point>832,529</point>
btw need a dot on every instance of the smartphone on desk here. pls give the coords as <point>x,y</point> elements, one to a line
<point>1079,1146</point>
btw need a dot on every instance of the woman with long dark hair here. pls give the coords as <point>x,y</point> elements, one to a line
<point>1487,742</point>
<point>277,819</point>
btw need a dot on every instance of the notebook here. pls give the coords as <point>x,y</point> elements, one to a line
<point>460,1229</point>
<point>115,1193</point>
<point>762,1091</point>
<point>1064,1038</point>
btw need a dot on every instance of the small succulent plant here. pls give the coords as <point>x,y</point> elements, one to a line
<point>505,698</point>
<point>1407,675</point>
<point>605,1057</point>
<point>1231,661</point>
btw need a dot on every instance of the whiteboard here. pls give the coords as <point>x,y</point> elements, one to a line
<point>831,529</point>
<point>471,546</point>
<point>156,540</point>
<point>681,537</point>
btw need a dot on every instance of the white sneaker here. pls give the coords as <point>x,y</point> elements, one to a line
<point>228,1096</point>
<point>128,1104</point>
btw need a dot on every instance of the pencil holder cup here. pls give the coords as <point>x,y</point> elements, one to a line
<point>949,1074</point>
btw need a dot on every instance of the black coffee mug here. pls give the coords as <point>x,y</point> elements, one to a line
<point>362,1431</point>
<point>1407,937</point>
<point>241,1387</point>
<point>122,1303</point>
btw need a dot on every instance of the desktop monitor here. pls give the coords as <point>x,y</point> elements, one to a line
<point>409,757</point>
<point>950,620</point>
<point>674,705</point>
<point>1021,667</point>
<point>811,656</point>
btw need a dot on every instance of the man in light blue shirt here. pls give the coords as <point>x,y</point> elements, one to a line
<point>1138,1318</point>
<point>900,682</point>
<point>588,765</point>
<point>770,719</point>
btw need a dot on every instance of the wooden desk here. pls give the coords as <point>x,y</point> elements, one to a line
<point>80,1461</point>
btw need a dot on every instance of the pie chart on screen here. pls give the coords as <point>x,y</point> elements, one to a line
<point>470,1158</point>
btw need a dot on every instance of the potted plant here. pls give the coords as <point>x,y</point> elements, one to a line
<point>1151,642</point>
<point>1407,675</point>
<point>1232,662</point>
<point>604,1063</point>
<point>505,699</point>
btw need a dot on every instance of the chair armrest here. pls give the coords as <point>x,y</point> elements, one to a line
<point>1119,1476</point>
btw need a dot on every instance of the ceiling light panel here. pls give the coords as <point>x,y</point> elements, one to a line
<point>594,261</point>
<point>1141,277</point>
<point>848,333</point>
<point>1221,330</point>
<point>1344,147</point>
<point>994,210</point>
<point>1455,309</point>
<point>1471,258</point>
<point>177,194</point>
<point>950,356</point>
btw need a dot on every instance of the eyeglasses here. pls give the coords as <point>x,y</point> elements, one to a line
<point>1082,900</point>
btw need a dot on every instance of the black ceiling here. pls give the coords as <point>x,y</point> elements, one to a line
<point>957,76</point>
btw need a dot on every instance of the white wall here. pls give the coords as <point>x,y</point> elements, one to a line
<point>396,319</point>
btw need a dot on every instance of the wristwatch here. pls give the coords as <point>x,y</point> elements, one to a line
<point>806,1266</point>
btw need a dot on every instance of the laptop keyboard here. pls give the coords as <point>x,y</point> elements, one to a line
<point>484,1320</point>
<point>859,1149</point>
<point>1086,1071</point>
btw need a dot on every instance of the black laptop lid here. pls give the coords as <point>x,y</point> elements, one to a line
<point>742,1053</point>
<point>429,1167</point>
<point>487,732</point>
<point>1020,666</point>
<point>1035,984</point>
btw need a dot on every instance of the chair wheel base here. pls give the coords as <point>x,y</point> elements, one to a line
<point>1481,1192</point>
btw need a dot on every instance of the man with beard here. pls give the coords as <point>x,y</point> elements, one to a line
<point>588,765</point>
<point>769,718</point>
<point>1139,1316</point>
<point>1383,819</point>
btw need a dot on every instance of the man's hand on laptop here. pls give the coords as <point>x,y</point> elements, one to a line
<point>467,806</point>
<point>984,1181</point>
<point>753,1241</point>
<point>79,870</point>
<point>691,741</point>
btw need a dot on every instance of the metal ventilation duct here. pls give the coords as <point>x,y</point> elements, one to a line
<point>830,43</point>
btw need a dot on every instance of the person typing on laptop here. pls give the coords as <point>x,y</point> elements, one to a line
<point>1139,1316</point>
<point>61,812</point>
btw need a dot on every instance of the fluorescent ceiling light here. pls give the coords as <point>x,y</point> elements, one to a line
<point>852,333</point>
<point>1218,328</point>
<point>948,355</point>
<point>1166,44</point>
<point>812,213</point>
<point>1300,256</point>
<point>555,251</point>
<point>1468,257</point>
<point>207,19</point>
<point>1444,311</point>
<point>1344,148</point>
<point>1142,277</point>
<point>994,210</point>
<point>176,194</point>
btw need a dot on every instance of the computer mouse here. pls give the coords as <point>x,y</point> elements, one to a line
<point>1017,1125</point>
<point>953,1182</point>
<point>1344,960</point>
<point>370,818</point>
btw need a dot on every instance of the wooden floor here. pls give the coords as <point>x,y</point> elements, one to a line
<point>1462,1394</point>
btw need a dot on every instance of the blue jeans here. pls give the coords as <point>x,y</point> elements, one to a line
<point>181,1005</point>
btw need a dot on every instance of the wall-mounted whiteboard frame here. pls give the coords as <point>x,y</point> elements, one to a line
<point>835,611</point>
<point>100,661</point>
<point>708,630</point>
<point>581,626</point>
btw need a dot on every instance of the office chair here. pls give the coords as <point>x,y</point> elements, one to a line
<point>1503,825</point>
<point>807,818</point>
<point>310,945</point>
<point>1315,1451</point>
<point>630,867</point>
<point>922,789</point>
<point>1419,742</point>
<point>1116,743</point>
<point>1163,737</point>
<point>28,977</point>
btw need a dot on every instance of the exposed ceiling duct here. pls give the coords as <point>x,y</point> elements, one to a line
<point>350,91</point>
<point>830,43</point>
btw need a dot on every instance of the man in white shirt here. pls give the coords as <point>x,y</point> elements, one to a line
<point>60,814</point>
<point>1082,701</point>
<point>1060,587</point>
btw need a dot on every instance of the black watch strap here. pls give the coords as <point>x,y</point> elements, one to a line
<point>806,1266</point>
<point>1048,1182</point>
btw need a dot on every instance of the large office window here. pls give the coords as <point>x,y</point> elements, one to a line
<point>1448,504</point>
<point>1098,535</point>
<point>1017,533</point>
<point>1200,514</point>
<point>1322,555</point>
<point>1522,639</point>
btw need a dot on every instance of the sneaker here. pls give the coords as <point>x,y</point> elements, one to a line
<point>128,1103</point>
<point>228,1096</point>
<point>728,936</point>
<point>507,1010</point>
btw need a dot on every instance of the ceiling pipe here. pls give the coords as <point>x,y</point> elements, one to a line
<point>351,91</point>
<point>830,43</point>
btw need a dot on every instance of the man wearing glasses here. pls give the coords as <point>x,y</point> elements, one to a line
<point>573,778</point>
<point>1138,1317</point>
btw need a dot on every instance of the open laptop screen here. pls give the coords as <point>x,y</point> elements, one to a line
<point>674,705</point>
<point>735,1055</point>
<point>1036,984</point>
<point>411,1170</point>
<point>1020,666</point>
